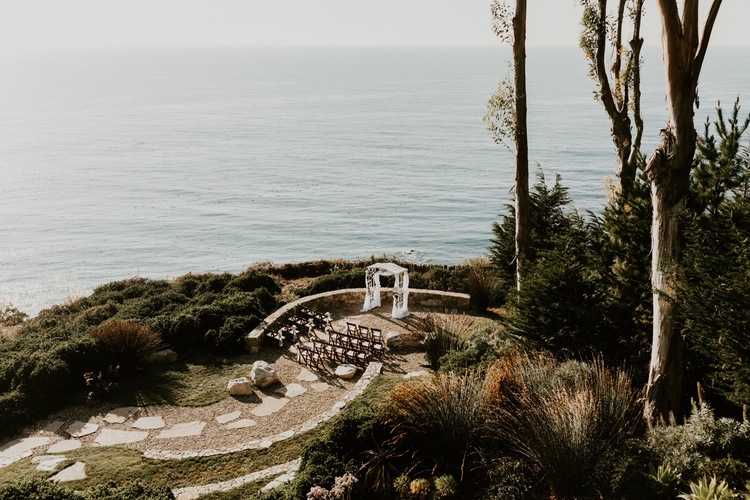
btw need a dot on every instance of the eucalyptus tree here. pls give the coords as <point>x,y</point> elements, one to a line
<point>506,118</point>
<point>619,86</point>
<point>684,46</point>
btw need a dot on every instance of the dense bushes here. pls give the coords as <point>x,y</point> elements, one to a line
<point>39,489</point>
<point>118,323</point>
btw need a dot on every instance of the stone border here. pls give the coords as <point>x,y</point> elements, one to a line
<point>372,371</point>
<point>191,492</point>
<point>354,297</point>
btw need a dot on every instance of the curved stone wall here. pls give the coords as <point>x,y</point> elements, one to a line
<point>425,299</point>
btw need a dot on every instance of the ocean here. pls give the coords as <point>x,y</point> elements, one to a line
<point>157,163</point>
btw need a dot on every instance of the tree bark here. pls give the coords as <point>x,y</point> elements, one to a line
<point>668,172</point>
<point>523,217</point>
<point>615,96</point>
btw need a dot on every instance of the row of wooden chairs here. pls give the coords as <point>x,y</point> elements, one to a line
<point>360,342</point>
<point>318,318</point>
<point>341,353</point>
<point>285,333</point>
<point>366,332</point>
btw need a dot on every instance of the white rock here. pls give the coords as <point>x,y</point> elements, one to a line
<point>241,423</point>
<point>186,429</point>
<point>80,429</point>
<point>262,374</point>
<point>53,426</point>
<point>392,339</point>
<point>120,415</point>
<point>306,375</point>
<point>420,373</point>
<point>111,437</point>
<point>228,417</point>
<point>63,446</point>
<point>149,423</point>
<point>269,405</point>
<point>20,446</point>
<point>163,357</point>
<point>73,473</point>
<point>240,387</point>
<point>346,371</point>
<point>48,463</point>
<point>291,390</point>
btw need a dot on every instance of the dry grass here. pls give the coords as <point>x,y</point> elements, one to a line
<point>563,417</point>
<point>126,341</point>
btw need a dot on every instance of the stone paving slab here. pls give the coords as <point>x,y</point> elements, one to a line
<point>21,446</point>
<point>75,472</point>
<point>111,437</point>
<point>183,430</point>
<point>291,390</point>
<point>284,478</point>
<point>53,426</point>
<point>228,417</point>
<point>149,423</point>
<point>372,371</point>
<point>269,405</point>
<point>306,375</point>
<point>320,386</point>
<point>65,445</point>
<point>48,463</point>
<point>120,415</point>
<point>79,429</point>
<point>239,424</point>
<point>192,492</point>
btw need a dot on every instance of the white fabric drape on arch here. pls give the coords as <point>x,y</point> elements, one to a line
<point>400,288</point>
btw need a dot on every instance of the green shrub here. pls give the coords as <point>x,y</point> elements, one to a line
<point>482,345</point>
<point>484,288</point>
<point>131,490</point>
<point>37,489</point>
<point>229,337</point>
<point>14,411</point>
<point>254,279</point>
<point>124,342</point>
<point>97,315</point>
<point>338,279</point>
<point>441,335</point>
<point>704,445</point>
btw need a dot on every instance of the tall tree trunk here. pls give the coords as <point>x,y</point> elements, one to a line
<point>523,217</point>
<point>668,171</point>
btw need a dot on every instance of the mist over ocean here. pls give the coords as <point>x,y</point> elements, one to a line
<point>163,162</point>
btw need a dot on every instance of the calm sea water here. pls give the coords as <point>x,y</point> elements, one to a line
<point>158,163</point>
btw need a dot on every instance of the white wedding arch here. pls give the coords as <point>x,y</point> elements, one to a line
<point>400,288</point>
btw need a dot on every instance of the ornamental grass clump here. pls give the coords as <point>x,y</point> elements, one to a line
<point>437,423</point>
<point>443,334</point>
<point>568,419</point>
<point>125,342</point>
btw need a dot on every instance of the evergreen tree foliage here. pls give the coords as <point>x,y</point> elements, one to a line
<point>548,218</point>
<point>720,169</point>
<point>715,300</point>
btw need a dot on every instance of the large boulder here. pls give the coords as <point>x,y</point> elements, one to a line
<point>262,374</point>
<point>163,357</point>
<point>392,339</point>
<point>346,371</point>
<point>240,387</point>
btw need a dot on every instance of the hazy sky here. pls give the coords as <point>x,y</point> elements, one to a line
<point>43,25</point>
